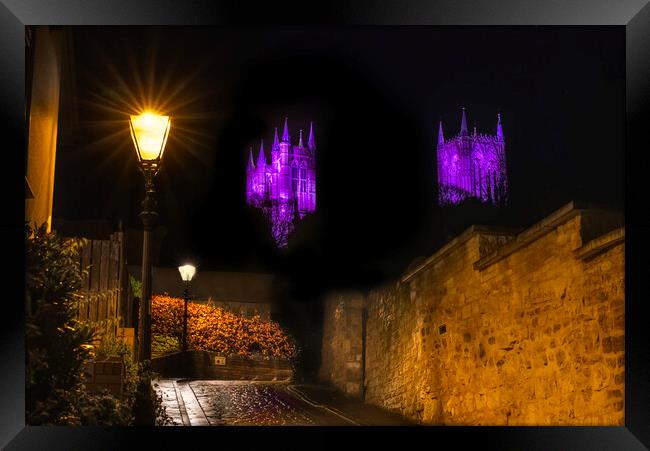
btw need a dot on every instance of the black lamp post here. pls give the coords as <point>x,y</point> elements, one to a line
<point>149,132</point>
<point>187,272</point>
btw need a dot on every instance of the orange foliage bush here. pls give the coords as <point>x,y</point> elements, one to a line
<point>211,328</point>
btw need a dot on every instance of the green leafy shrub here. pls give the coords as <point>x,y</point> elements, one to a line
<point>136,287</point>
<point>58,345</point>
<point>164,344</point>
<point>137,377</point>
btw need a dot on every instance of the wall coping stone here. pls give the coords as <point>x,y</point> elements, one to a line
<point>522,238</point>
<point>461,239</point>
<point>541,228</point>
<point>600,244</point>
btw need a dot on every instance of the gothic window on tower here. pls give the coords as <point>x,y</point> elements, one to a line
<point>294,179</point>
<point>303,180</point>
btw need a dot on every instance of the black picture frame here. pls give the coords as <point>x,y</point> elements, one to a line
<point>633,15</point>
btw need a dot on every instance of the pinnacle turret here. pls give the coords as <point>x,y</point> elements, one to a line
<point>441,137</point>
<point>285,132</point>
<point>463,124</point>
<point>261,158</point>
<point>499,128</point>
<point>251,163</point>
<point>310,141</point>
<point>276,142</point>
<point>300,139</point>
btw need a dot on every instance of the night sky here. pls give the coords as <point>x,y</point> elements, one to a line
<point>375,95</point>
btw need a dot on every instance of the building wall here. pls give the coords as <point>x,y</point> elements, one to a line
<point>43,125</point>
<point>246,294</point>
<point>532,337</point>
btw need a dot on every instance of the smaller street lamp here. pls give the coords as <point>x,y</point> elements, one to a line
<point>187,272</point>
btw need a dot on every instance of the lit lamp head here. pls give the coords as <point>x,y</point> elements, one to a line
<point>187,272</point>
<point>149,132</point>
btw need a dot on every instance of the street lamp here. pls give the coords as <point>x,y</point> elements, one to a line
<point>187,272</point>
<point>149,132</point>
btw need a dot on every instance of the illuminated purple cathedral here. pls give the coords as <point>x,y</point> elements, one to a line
<point>472,166</point>
<point>284,188</point>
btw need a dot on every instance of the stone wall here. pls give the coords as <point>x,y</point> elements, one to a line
<point>342,352</point>
<point>499,328</point>
<point>213,366</point>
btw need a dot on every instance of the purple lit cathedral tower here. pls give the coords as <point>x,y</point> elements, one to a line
<point>284,188</point>
<point>472,166</point>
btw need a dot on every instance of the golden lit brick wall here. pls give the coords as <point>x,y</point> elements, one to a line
<point>533,338</point>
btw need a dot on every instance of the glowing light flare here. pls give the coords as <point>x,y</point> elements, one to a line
<point>149,132</point>
<point>187,272</point>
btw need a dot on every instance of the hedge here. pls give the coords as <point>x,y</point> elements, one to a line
<point>211,328</point>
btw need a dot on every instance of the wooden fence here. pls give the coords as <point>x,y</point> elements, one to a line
<point>104,287</point>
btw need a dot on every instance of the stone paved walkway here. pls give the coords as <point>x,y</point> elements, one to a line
<point>359,413</point>
<point>240,403</point>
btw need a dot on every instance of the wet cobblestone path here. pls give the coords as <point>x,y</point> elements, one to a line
<point>240,403</point>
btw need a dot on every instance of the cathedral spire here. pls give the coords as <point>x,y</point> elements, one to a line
<point>441,137</point>
<point>261,159</point>
<point>251,163</point>
<point>310,141</point>
<point>300,140</point>
<point>276,142</point>
<point>499,129</point>
<point>463,124</point>
<point>285,132</point>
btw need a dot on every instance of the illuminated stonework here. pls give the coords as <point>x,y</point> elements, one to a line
<point>284,188</point>
<point>472,166</point>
